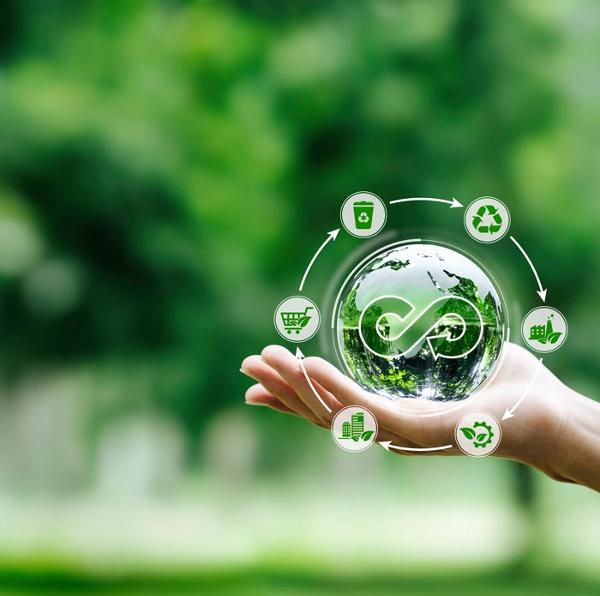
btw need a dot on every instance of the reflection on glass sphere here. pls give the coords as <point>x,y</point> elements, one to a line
<point>422,321</point>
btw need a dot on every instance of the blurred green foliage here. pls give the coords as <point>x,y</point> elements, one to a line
<point>172,163</point>
<point>168,168</point>
<point>266,583</point>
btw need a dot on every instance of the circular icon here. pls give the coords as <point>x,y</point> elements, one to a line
<point>363,214</point>
<point>544,329</point>
<point>354,428</point>
<point>297,319</point>
<point>487,219</point>
<point>478,434</point>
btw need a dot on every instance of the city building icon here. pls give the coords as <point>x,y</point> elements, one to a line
<point>358,424</point>
<point>355,428</point>
<point>346,430</point>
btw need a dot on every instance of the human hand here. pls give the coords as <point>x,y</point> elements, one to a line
<point>542,432</point>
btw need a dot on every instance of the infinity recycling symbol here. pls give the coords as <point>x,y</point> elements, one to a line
<point>390,327</point>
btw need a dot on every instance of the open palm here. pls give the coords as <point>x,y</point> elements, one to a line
<point>534,426</point>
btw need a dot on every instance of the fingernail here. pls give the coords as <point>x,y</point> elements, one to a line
<point>253,403</point>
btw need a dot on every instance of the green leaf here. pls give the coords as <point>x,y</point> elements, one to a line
<point>553,337</point>
<point>303,322</point>
<point>367,435</point>
<point>481,437</point>
<point>468,432</point>
<point>355,439</point>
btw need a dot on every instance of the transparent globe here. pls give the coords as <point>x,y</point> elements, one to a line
<point>421,321</point>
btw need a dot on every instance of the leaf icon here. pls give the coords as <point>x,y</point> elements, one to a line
<point>367,435</point>
<point>468,432</point>
<point>553,337</point>
<point>481,437</point>
<point>355,439</point>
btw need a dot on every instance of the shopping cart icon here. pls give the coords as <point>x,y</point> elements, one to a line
<point>296,321</point>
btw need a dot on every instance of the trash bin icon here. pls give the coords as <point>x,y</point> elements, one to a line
<point>363,215</point>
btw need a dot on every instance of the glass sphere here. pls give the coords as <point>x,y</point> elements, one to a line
<point>420,321</point>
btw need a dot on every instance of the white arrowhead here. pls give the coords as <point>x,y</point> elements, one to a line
<point>331,236</point>
<point>507,414</point>
<point>446,334</point>
<point>542,294</point>
<point>299,353</point>
<point>455,204</point>
<point>385,444</point>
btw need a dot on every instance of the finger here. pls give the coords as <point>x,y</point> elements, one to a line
<point>287,365</point>
<point>389,415</point>
<point>347,385</point>
<point>328,398</point>
<point>261,397</point>
<point>257,395</point>
<point>290,370</point>
<point>260,371</point>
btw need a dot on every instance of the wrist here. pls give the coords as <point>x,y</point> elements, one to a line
<point>576,455</point>
<point>564,442</point>
<point>539,437</point>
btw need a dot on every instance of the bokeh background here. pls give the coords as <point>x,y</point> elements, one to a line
<point>167,169</point>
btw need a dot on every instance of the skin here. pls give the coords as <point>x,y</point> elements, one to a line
<point>554,429</point>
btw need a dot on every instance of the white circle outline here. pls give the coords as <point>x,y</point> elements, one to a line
<point>287,337</point>
<point>487,241</point>
<point>561,343</point>
<point>445,409</point>
<point>354,450</point>
<point>363,192</point>
<point>473,454</point>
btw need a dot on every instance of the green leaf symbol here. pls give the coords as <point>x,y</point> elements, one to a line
<point>481,437</point>
<point>553,337</point>
<point>355,439</point>
<point>367,435</point>
<point>468,432</point>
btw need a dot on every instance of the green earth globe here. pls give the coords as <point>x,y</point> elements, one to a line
<point>420,321</point>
